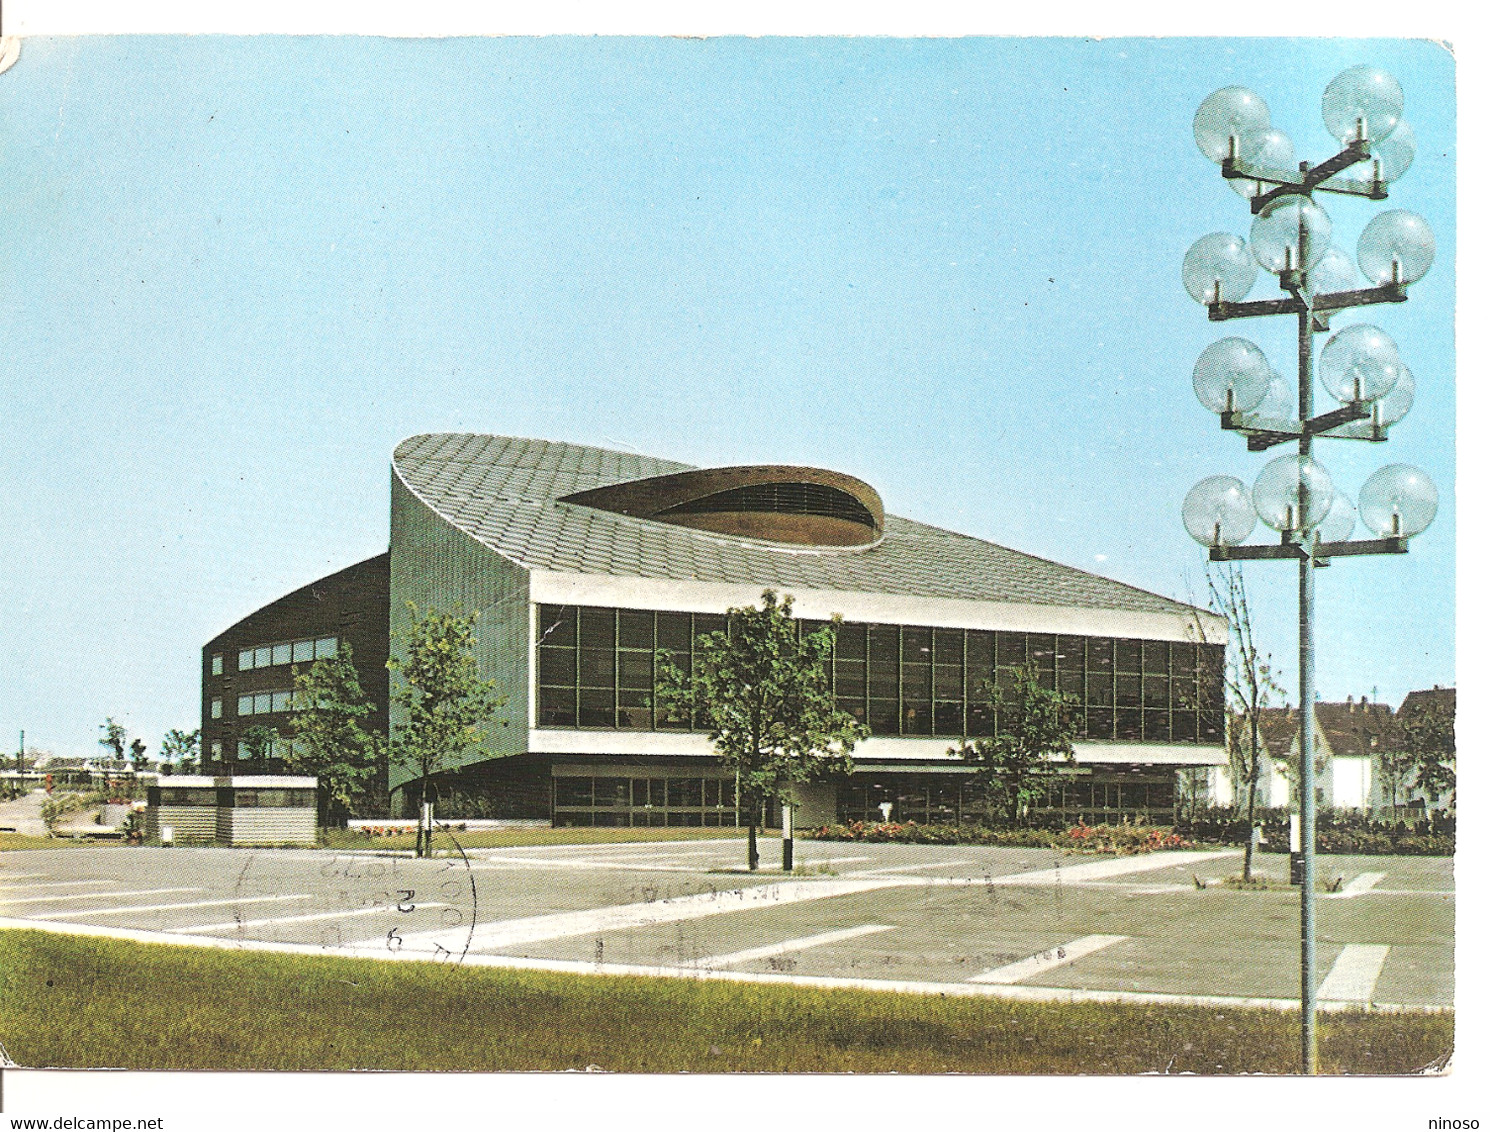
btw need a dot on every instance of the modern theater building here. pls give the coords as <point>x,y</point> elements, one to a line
<point>585,562</point>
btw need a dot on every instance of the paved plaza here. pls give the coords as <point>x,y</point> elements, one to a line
<point>1022,923</point>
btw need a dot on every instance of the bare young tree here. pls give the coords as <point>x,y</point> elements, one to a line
<point>1251,686</point>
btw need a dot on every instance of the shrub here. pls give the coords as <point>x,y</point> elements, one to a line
<point>1120,839</point>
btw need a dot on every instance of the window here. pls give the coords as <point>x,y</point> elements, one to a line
<point>284,652</point>
<point>263,703</point>
<point>217,664</point>
<point>216,707</point>
<point>217,750</point>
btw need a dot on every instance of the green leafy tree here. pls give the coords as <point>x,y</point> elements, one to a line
<point>137,755</point>
<point>447,703</point>
<point>331,741</point>
<point>1034,726</point>
<point>258,743</point>
<point>116,739</point>
<point>1428,738</point>
<point>1251,686</point>
<point>181,749</point>
<point>762,691</point>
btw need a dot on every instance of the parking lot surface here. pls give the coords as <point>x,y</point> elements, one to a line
<point>946,919</point>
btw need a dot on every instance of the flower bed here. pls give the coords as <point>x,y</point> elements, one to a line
<point>1080,838</point>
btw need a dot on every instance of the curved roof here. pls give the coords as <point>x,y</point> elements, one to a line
<point>507,493</point>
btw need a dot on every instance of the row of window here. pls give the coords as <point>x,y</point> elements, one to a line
<point>277,748</point>
<point>284,652</point>
<point>950,799</point>
<point>257,703</point>
<point>596,668</point>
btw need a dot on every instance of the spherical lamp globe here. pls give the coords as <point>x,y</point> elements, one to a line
<point>1398,501</point>
<point>1359,363</point>
<point>1231,123</point>
<point>1396,247</point>
<point>1274,153</point>
<point>1275,234</point>
<point>1218,512</point>
<point>1362,103</point>
<point>1393,157</point>
<point>1393,407</point>
<point>1232,375</point>
<point>1339,522</point>
<point>1281,402</point>
<point>1292,494</point>
<point>1334,272</point>
<point>1218,269</point>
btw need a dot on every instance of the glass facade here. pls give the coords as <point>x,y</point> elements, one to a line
<point>596,670</point>
<point>948,799</point>
<point>689,799</point>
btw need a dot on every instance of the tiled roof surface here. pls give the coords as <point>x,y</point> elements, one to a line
<point>1348,729</point>
<point>503,491</point>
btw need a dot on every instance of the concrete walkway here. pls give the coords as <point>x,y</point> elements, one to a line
<point>23,815</point>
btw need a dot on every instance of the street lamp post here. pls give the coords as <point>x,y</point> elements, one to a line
<point>1359,365</point>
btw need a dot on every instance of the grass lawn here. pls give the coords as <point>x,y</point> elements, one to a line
<point>67,1001</point>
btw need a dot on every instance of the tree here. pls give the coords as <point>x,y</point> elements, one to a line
<point>762,691</point>
<point>446,701</point>
<point>137,755</point>
<point>330,739</point>
<point>1427,732</point>
<point>1250,688</point>
<point>1397,765</point>
<point>181,749</point>
<point>1033,726</point>
<point>115,738</point>
<point>258,742</point>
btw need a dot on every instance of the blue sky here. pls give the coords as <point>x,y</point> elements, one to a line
<point>234,273</point>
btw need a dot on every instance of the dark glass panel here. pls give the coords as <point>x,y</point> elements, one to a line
<point>613,792</point>
<point>850,642</point>
<point>915,644</point>
<point>597,668</point>
<point>1184,726</point>
<point>946,681</point>
<point>634,629</point>
<point>597,707</point>
<point>979,652</point>
<point>1155,692</point>
<point>1129,723</point>
<point>709,623</point>
<point>854,708</point>
<point>849,678</point>
<point>949,717</point>
<point>1070,653</point>
<point>1099,689</point>
<point>884,644</point>
<point>979,719</point>
<point>635,711</point>
<point>1011,649</point>
<point>1099,723</point>
<point>1129,690</point>
<point>727,793</point>
<point>555,707</point>
<point>634,669</point>
<point>556,666</point>
<point>1156,658</point>
<point>1042,651</point>
<point>1211,726</point>
<point>884,717</point>
<point>1073,683</point>
<point>674,631</point>
<point>711,792</point>
<point>1099,653</point>
<point>556,625</point>
<point>916,718</point>
<point>1185,659</point>
<point>915,681</point>
<point>597,628</point>
<point>1156,725</point>
<point>685,792</point>
<point>639,792</point>
<point>573,792</point>
<point>947,644</point>
<point>1129,656</point>
<point>884,681</point>
<point>806,626</point>
<point>1161,795</point>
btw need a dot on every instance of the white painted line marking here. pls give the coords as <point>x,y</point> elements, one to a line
<point>780,978</point>
<point>751,954</point>
<point>562,925</point>
<point>26,876</point>
<point>899,868</point>
<point>1363,883</point>
<point>125,909</point>
<point>515,863</point>
<point>1047,960</point>
<point>1111,867</point>
<point>7,902</point>
<point>1353,977</point>
<point>54,883</point>
<point>229,925</point>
